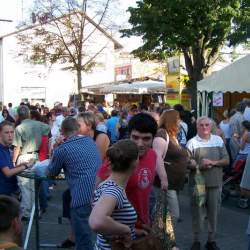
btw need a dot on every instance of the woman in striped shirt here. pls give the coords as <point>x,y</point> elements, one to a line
<point>112,214</point>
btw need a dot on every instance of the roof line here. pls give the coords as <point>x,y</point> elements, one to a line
<point>117,44</point>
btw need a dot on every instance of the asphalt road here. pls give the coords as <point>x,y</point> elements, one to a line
<point>231,227</point>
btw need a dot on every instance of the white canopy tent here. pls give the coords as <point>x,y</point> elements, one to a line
<point>233,78</point>
<point>138,87</point>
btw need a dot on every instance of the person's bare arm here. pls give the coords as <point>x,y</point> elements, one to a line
<point>16,153</point>
<point>245,138</point>
<point>100,219</point>
<point>9,172</point>
<point>211,163</point>
<point>245,192</point>
<point>160,147</point>
<point>102,142</point>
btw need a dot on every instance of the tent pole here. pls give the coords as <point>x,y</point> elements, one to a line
<point>203,103</point>
<point>198,103</point>
<point>207,104</point>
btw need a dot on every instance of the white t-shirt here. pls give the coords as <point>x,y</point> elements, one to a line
<point>226,129</point>
<point>1,118</point>
<point>59,120</point>
<point>246,113</point>
<point>184,131</point>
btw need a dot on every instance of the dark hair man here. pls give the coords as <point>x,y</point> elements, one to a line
<point>112,126</point>
<point>10,223</point>
<point>80,159</point>
<point>142,129</point>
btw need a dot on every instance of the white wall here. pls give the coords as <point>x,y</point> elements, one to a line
<point>17,74</point>
<point>58,84</point>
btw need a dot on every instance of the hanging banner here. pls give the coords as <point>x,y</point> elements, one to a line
<point>218,99</point>
<point>173,76</point>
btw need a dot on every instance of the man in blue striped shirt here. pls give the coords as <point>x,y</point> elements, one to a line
<point>79,157</point>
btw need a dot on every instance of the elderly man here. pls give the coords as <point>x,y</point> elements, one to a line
<point>27,141</point>
<point>79,157</point>
<point>209,155</point>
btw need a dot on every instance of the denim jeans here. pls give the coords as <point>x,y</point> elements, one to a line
<point>44,194</point>
<point>66,199</point>
<point>83,233</point>
<point>249,242</point>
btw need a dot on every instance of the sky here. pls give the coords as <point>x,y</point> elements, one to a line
<point>18,10</point>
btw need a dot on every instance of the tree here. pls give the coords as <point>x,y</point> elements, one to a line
<point>197,29</point>
<point>62,34</point>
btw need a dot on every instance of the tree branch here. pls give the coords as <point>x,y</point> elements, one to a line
<point>211,56</point>
<point>64,43</point>
<point>188,61</point>
<point>100,21</point>
<point>95,55</point>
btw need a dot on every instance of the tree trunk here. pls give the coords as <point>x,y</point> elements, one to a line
<point>194,61</point>
<point>192,90</point>
<point>79,81</point>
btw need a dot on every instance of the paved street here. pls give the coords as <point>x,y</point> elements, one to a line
<point>231,228</point>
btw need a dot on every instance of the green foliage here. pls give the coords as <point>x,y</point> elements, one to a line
<point>171,25</point>
<point>195,28</point>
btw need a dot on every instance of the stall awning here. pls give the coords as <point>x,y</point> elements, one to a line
<point>138,87</point>
<point>233,78</point>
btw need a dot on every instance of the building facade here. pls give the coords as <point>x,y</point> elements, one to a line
<point>40,83</point>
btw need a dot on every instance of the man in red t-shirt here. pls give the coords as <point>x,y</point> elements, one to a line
<point>142,128</point>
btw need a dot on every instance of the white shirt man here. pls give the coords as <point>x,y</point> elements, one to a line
<point>209,155</point>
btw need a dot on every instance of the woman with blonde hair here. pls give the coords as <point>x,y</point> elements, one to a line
<point>87,123</point>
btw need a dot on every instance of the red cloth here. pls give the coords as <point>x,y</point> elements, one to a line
<point>139,184</point>
<point>44,148</point>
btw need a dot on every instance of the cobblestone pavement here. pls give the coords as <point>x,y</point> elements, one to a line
<point>231,227</point>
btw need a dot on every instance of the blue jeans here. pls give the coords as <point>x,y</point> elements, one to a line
<point>44,194</point>
<point>249,242</point>
<point>83,233</point>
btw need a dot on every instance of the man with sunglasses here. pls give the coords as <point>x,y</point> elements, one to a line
<point>209,155</point>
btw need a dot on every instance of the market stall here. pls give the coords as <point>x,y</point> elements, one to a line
<point>224,88</point>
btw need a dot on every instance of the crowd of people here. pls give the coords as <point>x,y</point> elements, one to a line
<point>119,163</point>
